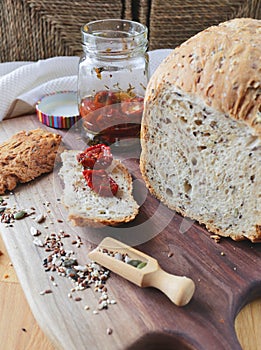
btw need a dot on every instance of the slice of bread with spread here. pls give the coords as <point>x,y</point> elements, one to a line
<point>88,208</point>
<point>201,130</point>
<point>27,155</point>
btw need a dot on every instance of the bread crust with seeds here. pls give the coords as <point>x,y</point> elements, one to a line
<point>27,155</point>
<point>221,66</point>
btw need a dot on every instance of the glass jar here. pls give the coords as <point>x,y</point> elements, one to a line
<point>113,74</point>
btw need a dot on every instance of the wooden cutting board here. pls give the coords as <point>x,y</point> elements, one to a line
<point>227,274</point>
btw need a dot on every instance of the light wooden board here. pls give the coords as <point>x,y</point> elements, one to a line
<point>227,275</point>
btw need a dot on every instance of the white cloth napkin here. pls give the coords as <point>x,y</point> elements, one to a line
<point>22,84</point>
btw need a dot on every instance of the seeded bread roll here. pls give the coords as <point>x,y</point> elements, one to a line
<point>201,130</point>
<point>25,156</point>
<point>87,207</point>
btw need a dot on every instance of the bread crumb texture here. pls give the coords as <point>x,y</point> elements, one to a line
<point>87,207</point>
<point>25,156</point>
<point>201,135</point>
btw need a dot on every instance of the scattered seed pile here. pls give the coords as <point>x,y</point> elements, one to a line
<point>60,260</point>
<point>9,215</point>
<point>65,264</point>
<point>124,257</point>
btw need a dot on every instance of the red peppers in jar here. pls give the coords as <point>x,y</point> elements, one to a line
<point>113,68</point>
<point>111,116</point>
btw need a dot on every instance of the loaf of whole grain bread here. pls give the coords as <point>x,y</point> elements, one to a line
<point>87,208</point>
<point>25,156</point>
<point>201,129</point>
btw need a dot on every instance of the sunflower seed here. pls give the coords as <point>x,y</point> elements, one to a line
<point>2,209</point>
<point>38,242</point>
<point>34,231</point>
<point>109,331</point>
<point>40,218</point>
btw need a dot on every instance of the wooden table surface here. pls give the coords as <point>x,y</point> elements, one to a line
<point>19,330</point>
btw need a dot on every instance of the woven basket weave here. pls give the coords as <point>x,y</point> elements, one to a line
<point>172,22</point>
<point>33,29</point>
<point>38,29</point>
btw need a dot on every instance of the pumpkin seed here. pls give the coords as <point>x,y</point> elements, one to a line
<point>69,262</point>
<point>141,265</point>
<point>236,212</point>
<point>134,263</point>
<point>19,215</point>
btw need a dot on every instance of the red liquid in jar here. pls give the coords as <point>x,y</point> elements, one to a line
<point>110,117</point>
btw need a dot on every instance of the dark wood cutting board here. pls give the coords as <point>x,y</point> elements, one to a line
<point>227,274</point>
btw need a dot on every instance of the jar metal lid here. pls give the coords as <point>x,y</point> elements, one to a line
<point>58,110</point>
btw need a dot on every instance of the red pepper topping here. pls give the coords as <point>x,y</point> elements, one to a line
<point>96,157</point>
<point>100,182</point>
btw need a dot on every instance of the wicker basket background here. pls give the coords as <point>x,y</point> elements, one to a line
<point>172,22</point>
<point>34,29</point>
